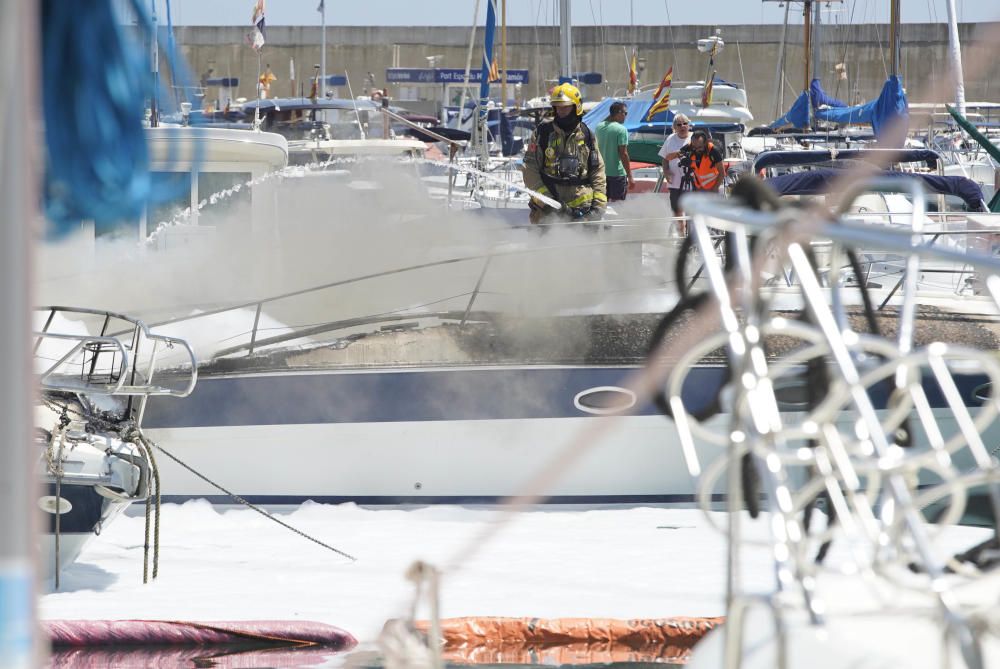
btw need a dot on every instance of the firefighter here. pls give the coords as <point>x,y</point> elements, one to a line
<point>564,163</point>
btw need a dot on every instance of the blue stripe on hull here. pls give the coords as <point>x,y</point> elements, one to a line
<point>294,398</point>
<point>383,397</point>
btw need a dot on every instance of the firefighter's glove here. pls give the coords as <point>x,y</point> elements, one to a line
<point>594,214</point>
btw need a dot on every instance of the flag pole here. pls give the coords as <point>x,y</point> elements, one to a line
<point>503,55</point>
<point>322,55</point>
<point>256,111</point>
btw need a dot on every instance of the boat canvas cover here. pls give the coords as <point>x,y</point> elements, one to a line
<point>891,104</point>
<point>797,116</point>
<point>880,113</point>
<point>820,98</point>
<point>768,159</point>
<point>635,117</point>
<point>301,104</point>
<point>817,182</point>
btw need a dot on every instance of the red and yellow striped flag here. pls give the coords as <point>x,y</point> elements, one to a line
<point>494,72</point>
<point>706,93</point>
<point>664,83</point>
<point>633,75</point>
<point>658,106</point>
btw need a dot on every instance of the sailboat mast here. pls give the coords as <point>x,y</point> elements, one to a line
<point>817,38</point>
<point>894,36</point>
<point>154,59</point>
<point>503,54</point>
<point>779,89</point>
<point>956,58</point>
<point>322,50</point>
<point>565,40</point>
<point>807,43</point>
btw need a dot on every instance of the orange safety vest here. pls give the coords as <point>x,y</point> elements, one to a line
<point>704,171</point>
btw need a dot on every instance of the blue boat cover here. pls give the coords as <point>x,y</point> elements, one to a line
<point>880,113</point>
<point>817,182</point>
<point>635,115</point>
<point>290,104</point>
<point>816,156</point>
<point>820,98</point>
<point>797,116</point>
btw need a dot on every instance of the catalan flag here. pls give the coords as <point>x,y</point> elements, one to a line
<point>664,83</point>
<point>661,103</point>
<point>706,93</point>
<point>633,75</point>
<point>494,72</point>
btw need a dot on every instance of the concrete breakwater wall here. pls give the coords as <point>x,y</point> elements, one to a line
<point>750,56</point>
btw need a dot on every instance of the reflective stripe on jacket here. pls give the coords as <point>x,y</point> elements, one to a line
<point>704,171</point>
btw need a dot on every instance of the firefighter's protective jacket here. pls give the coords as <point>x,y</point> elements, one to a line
<point>550,152</point>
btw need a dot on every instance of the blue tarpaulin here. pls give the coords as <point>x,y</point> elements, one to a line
<point>797,116</point>
<point>817,182</point>
<point>820,98</point>
<point>635,118</point>
<point>880,113</point>
<point>778,158</point>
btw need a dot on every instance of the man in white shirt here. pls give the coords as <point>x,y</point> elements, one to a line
<point>670,153</point>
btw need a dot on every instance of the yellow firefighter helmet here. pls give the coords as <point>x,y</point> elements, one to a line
<point>567,94</point>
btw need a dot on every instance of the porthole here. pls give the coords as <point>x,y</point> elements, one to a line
<point>604,400</point>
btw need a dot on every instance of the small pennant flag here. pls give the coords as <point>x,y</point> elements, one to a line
<point>706,93</point>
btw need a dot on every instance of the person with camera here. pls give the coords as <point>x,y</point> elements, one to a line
<point>563,162</point>
<point>701,164</point>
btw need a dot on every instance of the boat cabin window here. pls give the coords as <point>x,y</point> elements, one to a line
<point>210,183</point>
<point>177,186</point>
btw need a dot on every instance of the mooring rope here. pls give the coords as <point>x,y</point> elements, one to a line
<point>152,503</point>
<point>248,504</point>
<point>130,430</point>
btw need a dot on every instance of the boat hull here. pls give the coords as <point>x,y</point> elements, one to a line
<point>83,513</point>
<point>448,436</point>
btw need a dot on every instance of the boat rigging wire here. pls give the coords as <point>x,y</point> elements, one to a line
<point>357,114</point>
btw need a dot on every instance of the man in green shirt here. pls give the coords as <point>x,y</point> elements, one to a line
<point>612,141</point>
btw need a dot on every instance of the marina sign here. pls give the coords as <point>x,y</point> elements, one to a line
<point>444,75</point>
